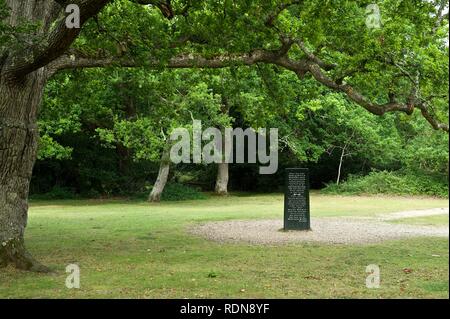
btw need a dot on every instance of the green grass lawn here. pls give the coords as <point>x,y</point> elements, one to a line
<point>132,249</point>
<point>436,220</point>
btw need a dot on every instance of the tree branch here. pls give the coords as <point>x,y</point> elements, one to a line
<point>270,21</point>
<point>164,6</point>
<point>312,57</point>
<point>311,64</point>
<point>54,44</point>
<point>378,109</point>
<point>440,16</point>
<point>425,110</point>
<point>74,59</point>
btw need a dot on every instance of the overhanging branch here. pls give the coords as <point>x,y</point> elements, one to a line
<point>75,59</point>
<point>378,109</point>
<point>311,64</point>
<point>55,43</point>
<point>163,5</point>
<point>270,21</point>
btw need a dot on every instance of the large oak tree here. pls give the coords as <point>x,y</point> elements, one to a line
<point>401,66</point>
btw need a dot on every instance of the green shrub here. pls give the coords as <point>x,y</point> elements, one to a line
<point>397,183</point>
<point>56,192</point>
<point>176,191</point>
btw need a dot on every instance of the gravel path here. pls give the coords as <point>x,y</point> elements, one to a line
<point>331,230</point>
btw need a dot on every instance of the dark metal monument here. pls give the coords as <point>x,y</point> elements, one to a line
<point>296,199</point>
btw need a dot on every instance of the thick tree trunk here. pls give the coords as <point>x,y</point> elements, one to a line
<point>163,174</point>
<point>24,70</point>
<point>222,179</point>
<point>19,102</point>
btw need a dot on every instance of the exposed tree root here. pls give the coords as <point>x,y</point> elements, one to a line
<point>14,252</point>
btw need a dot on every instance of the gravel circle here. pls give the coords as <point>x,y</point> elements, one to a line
<point>330,230</point>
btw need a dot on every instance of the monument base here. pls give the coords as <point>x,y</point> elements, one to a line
<point>296,229</point>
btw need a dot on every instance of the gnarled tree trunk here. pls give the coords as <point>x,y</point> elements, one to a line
<point>24,70</point>
<point>222,179</point>
<point>19,102</point>
<point>163,174</point>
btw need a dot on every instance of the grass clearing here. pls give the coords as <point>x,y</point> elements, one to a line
<point>132,249</point>
<point>435,220</point>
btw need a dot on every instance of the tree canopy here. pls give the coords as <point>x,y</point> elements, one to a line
<point>400,66</point>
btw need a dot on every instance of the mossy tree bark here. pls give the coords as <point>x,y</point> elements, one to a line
<point>24,69</point>
<point>19,103</point>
